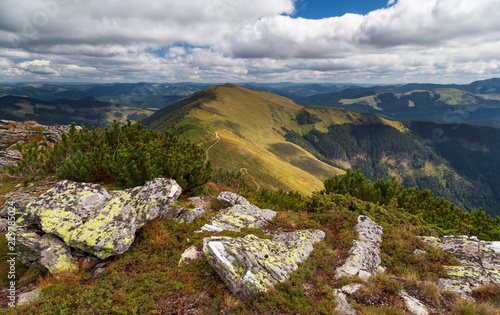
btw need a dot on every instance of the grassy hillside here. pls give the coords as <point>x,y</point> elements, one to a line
<point>278,143</point>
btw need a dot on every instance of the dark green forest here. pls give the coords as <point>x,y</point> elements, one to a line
<point>469,152</point>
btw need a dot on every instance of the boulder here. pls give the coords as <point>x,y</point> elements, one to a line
<point>479,263</point>
<point>46,250</point>
<point>250,264</point>
<point>240,214</point>
<point>29,297</point>
<point>181,213</point>
<point>342,306</point>
<point>364,260</point>
<point>86,217</point>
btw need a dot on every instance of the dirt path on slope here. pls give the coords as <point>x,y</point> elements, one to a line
<point>245,171</point>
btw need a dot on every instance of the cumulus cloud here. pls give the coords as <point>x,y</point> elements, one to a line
<point>246,40</point>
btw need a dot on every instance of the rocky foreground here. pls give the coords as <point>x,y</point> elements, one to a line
<point>71,221</point>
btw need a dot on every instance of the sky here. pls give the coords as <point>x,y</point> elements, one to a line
<point>217,41</point>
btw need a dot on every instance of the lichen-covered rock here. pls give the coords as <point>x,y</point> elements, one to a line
<point>182,213</point>
<point>364,260</point>
<point>87,217</point>
<point>239,216</point>
<point>249,265</point>
<point>479,263</point>
<point>47,250</point>
<point>62,209</point>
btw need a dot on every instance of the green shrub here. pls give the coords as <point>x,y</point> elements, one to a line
<point>127,155</point>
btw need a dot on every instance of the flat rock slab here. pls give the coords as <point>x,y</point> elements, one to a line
<point>364,260</point>
<point>250,264</point>
<point>240,214</point>
<point>480,262</point>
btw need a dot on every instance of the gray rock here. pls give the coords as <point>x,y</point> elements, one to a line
<point>342,306</point>
<point>413,305</point>
<point>232,199</point>
<point>29,297</point>
<point>239,216</point>
<point>190,254</point>
<point>351,288</point>
<point>479,263</point>
<point>364,260</point>
<point>249,265</point>
<point>179,212</point>
<point>47,251</point>
<point>86,217</point>
<point>4,224</point>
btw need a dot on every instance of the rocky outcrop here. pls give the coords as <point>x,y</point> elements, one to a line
<point>479,263</point>
<point>86,217</point>
<point>240,214</point>
<point>364,260</point>
<point>250,264</point>
<point>12,132</point>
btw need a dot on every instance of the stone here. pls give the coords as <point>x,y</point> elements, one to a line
<point>231,199</point>
<point>413,305</point>
<point>342,306</point>
<point>190,254</point>
<point>239,216</point>
<point>250,264</point>
<point>181,213</point>
<point>351,288</point>
<point>364,260</point>
<point>29,297</point>
<point>47,250</point>
<point>88,218</point>
<point>479,263</point>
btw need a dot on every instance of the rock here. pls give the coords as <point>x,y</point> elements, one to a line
<point>99,268</point>
<point>241,215</point>
<point>47,250</point>
<point>351,288</point>
<point>88,218</point>
<point>413,305</point>
<point>479,263</point>
<point>419,252</point>
<point>342,306</point>
<point>249,265</point>
<point>364,260</point>
<point>232,199</point>
<point>179,212</point>
<point>29,297</point>
<point>192,253</point>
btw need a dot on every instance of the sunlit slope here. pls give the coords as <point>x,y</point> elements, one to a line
<point>243,129</point>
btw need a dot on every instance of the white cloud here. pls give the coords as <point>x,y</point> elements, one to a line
<point>246,40</point>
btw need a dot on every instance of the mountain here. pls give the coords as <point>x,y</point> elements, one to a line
<point>476,101</point>
<point>89,111</point>
<point>278,143</point>
<point>142,94</point>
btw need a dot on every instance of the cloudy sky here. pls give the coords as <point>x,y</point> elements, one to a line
<point>358,41</point>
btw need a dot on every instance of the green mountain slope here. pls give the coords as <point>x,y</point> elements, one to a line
<point>277,143</point>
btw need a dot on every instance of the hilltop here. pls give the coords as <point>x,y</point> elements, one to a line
<point>277,143</point>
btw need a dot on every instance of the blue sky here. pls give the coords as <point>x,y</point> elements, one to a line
<point>436,41</point>
<point>317,9</point>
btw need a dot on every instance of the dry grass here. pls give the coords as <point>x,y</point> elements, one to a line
<point>430,290</point>
<point>232,301</point>
<point>466,307</point>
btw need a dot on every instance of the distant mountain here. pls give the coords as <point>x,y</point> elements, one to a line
<point>277,143</point>
<point>450,103</point>
<point>88,110</point>
<point>143,95</point>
